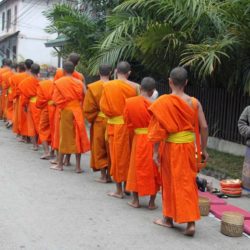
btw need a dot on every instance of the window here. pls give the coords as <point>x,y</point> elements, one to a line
<point>15,17</point>
<point>3,20</point>
<point>14,52</point>
<point>8,19</point>
<point>8,52</point>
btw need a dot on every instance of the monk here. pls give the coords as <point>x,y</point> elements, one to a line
<point>175,118</point>
<point>15,80</point>
<point>112,104</point>
<point>6,86</point>
<point>6,69</point>
<point>22,114</point>
<point>28,88</point>
<point>143,176</point>
<point>74,58</point>
<point>68,96</point>
<point>45,104</point>
<point>98,121</point>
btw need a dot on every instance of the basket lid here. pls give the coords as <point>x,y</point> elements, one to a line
<point>204,200</point>
<point>233,218</point>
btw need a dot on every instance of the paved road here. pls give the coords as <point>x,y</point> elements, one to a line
<point>42,209</point>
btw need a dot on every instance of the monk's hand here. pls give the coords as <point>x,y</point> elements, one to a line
<point>156,159</point>
<point>204,155</point>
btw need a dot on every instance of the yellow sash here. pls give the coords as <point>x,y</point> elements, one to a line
<point>141,131</point>
<point>9,90</point>
<point>101,114</point>
<point>50,103</point>
<point>181,137</point>
<point>33,99</point>
<point>117,120</point>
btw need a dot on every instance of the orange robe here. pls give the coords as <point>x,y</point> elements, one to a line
<point>28,88</point>
<point>172,115</point>
<point>68,96</point>
<point>56,135</point>
<point>19,116</point>
<point>112,105</point>
<point>5,89</point>
<point>60,73</point>
<point>9,95</point>
<point>143,175</point>
<point>45,103</point>
<point>2,91</point>
<point>91,110</point>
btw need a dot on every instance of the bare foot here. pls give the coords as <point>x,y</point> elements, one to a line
<point>152,207</point>
<point>55,162</point>
<point>101,180</point>
<point>79,171</point>
<point>35,148</point>
<point>165,222</point>
<point>115,195</point>
<point>45,157</point>
<point>190,230</point>
<point>56,167</point>
<point>21,140</point>
<point>67,164</point>
<point>134,204</point>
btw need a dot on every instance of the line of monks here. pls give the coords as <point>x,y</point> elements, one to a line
<point>139,144</point>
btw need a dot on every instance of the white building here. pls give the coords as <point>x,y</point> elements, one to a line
<point>22,33</point>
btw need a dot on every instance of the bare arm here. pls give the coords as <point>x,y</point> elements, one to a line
<point>203,131</point>
<point>156,154</point>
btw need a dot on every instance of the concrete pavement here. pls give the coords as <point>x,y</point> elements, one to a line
<point>42,209</point>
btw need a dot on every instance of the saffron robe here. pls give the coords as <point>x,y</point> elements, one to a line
<point>91,111</point>
<point>45,104</point>
<point>56,135</point>
<point>19,116</point>
<point>143,175</point>
<point>112,104</point>
<point>2,91</point>
<point>68,96</point>
<point>28,88</point>
<point>171,115</point>
<point>7,95</point>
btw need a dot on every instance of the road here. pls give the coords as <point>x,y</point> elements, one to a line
<point>42,209</point>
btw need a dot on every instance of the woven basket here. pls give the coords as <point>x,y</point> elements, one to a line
<point>204,205</point>
<point>232,224</point>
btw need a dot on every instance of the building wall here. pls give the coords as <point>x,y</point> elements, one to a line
<point>31,22</point>
<point>32,35</point>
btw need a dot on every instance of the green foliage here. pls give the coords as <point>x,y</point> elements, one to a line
<point>210,37</point>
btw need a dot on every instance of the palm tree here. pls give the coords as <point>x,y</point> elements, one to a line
<point>162,34</point>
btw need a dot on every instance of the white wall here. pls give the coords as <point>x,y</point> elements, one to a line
<point>32,36</point>
<point>31,23</point>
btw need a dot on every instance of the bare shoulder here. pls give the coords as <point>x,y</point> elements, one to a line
<point>133,84</point>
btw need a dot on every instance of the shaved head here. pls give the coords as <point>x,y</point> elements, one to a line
<point>68,67</point>
<point>35,69</point>
<point>74,58</point>
<point>123,68</point>
<point>21,67</point>
<point>105,70</point>
<point>179,76</point>
<point>28,63</point>
<point>148,84</point>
